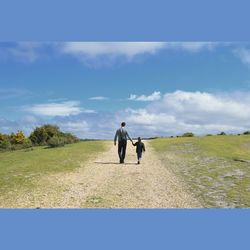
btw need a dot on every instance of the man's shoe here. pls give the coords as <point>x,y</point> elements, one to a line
<point>138,162</point>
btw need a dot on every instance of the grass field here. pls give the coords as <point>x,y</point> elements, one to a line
<point>216,169</point>
<point>20,169</point>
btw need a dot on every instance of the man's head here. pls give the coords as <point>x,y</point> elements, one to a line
<point>139,139</point>
<point>123,124</point>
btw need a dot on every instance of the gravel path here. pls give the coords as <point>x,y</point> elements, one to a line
<point>103,183</point>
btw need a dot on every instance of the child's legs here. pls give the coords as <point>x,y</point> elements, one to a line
<point>139,155</point>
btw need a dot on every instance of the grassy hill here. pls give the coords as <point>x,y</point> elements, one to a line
<point>20,169</point>
<point>216,169</point>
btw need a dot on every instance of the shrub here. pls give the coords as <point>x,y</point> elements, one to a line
<point>19,137</point>
<point>12,138</point>
<point>222,133</point>
<point>39,136</point>
<point>27,143</point>
<point>188,134</point>
<point>1,137</point>
<point>51,130</point>
<point>5,145</point>
<point>4,137</point>
<point>69,138</point>
<point>56,142</point>
<point>45,135</point>
<point>246,133</point>
<point>209,135</point>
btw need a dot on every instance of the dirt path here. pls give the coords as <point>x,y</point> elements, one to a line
<point>102,182</point>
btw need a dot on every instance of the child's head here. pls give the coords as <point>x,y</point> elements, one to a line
<point>139,139</point>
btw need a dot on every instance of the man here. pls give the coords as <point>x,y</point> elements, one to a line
<point>122,136</point>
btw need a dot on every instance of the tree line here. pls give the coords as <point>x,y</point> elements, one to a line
<point>190,134</point>
<point>46,135</point>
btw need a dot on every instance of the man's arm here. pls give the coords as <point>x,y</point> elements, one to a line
<point>129,137</point>
<point>115,139</point>
<point>143,148</point>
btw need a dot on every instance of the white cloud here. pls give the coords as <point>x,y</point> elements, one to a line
<point>96,53</point>
<point>192,46</point>
<point>198,112</point>
<point>8,93</point>
<point>28,119</point>
<point>22,51</point>
<point>155,96</point>
<point>99,98</point>
<point>130,49</point>
<point>244,55</point>
<point>174,114</point>
<point>58,100</point>
<point>89,125</point>
<point>57,109</point>
<point>79,128</point>
<point>26,124</point>
<point>96,49</point>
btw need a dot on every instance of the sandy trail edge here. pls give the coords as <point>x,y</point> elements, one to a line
<point>104,183</point>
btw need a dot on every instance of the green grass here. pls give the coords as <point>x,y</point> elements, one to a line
<point>216,169</point>
<point>19,169</point>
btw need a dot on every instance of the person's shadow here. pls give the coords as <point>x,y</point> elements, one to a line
<point>113,163</point>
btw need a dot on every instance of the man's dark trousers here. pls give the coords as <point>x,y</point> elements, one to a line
<point>122,146</point>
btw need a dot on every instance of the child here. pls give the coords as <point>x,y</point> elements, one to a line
<point>140,147</point>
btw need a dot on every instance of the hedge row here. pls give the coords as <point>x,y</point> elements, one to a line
<point>47,135</point>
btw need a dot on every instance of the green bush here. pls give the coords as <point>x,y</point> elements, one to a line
<point>19,137</point>
<point>42,135</point>
<point>45,135</point>
<point>39,136</point>
<point>69,138</point>
<point>246,133</point>
<point>12,138</point>
<point>27,143</point>
<point>222,133</point>
<point>51,130</point>
<point>188,134</point>
<point>209,135</point>
<point>56,142</point>
<point>4,137</point>
<point>5,145</point>
<point>1,137</point>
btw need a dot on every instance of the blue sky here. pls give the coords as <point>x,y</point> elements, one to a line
<point>159,88</point>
